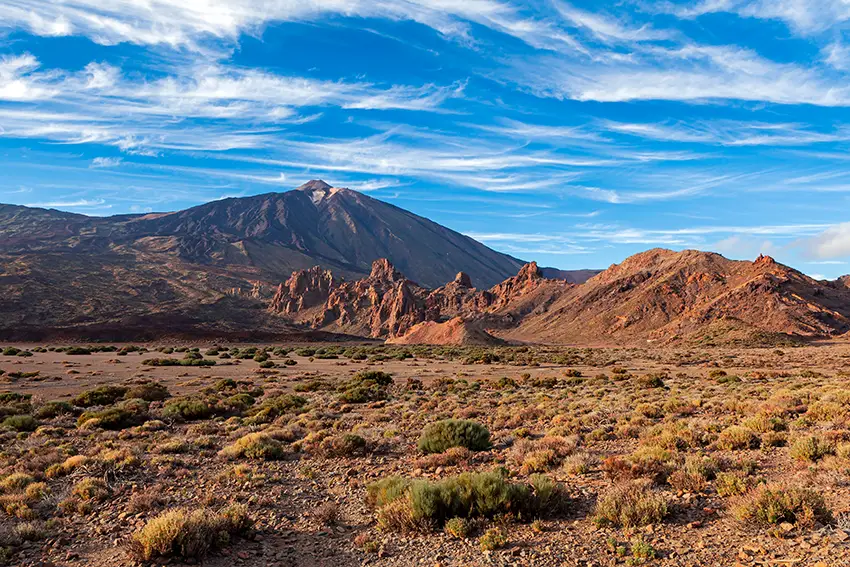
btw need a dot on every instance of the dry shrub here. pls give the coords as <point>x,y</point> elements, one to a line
<point>449,458</point>
<point>259,445</point>
<point>630,504</point>
<point>188,534</point>
<point>770,505</point>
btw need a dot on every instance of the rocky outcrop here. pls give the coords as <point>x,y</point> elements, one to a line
<point>387,304</point>
<point>303,290</point>
<point>455,331</point>
<point>384,304</point>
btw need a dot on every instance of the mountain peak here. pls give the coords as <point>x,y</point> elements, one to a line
<point>317,190</point>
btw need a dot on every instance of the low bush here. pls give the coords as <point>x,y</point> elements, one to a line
<point>736,437</point>
<point>273,407</point>
<point>366,386</point>
<point>258,445</point>
<point>770,505</point>
<point>810,449</point>
<point>347,445</point>
<point>442,435</point>
<point>187,409</point>
<point>49,410</point>
<point>148,391</point>
<point>101,396</point>
<point>630,504</point>
<point>188,534</point>
<point>21,422</point>
<point>126,414</point>
<point>404,505</point>
<point>187,361</point>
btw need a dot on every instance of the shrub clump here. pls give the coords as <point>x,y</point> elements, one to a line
<point>273,407</point>
<point>770,505</point>
<point>258,445</point>
<point>405,505</point>
<point>366,386</point>
<point>188,534</point>
<point>126,414</point>
<point>810,449</point>
<point>102,396</point>
<point>448,433</point>
<point>21,422</point>
<point>49,410</point>
<point>148,391</point>
<point>187,409</point>
<point>630,504</point>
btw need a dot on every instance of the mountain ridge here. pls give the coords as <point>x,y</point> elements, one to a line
<point>655,296</point>
<point>61,270</point>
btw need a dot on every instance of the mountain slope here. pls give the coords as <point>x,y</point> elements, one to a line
<point>656,296</point>
<point>68,271</point>
<point>266,237</point>
<point>663,295</point>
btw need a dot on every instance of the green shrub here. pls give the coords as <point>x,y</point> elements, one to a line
<point>494,538</point>
<point>404,506</point>
<point>810,449</point>
<point>148,391</point>
<point>732,484</point>
<point>187,409</point>
<point>630,504</point>
<point>770,505</point>
<point>186,361</point>
<point>21,422</point>
<point>737,437</point>
<point>49,410</point>
<point>458,528</point>
<point>188,534</point>
<point>346,445</point>
<point>101,396</point>
<point>271,408</point>
<point>366,386</point>
<point>258,445</point>
<point>442,435</point>
<point>77,350</point>
<point>126,414</point>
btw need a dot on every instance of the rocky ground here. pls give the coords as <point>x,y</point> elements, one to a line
<point>707,428</point>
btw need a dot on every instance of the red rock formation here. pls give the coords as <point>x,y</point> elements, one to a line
<point>455,331</point>
<point>383,304</point>
<point>304,289</point>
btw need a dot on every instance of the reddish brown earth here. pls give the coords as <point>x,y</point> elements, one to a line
<point>591,399</point>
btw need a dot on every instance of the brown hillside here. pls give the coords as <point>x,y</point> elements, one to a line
<point>664,295</point>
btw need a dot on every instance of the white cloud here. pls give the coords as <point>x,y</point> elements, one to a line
<point>18,80</point>
<point>248,106</point>
<point>79,203</point>
<point>687,73</point>
<point>729,133</point>
<point>833,242</point>
<point>802,16</point>
<point>105,162</point>
<point>606,28</point>
<point>191,23</point>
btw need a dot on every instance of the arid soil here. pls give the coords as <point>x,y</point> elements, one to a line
<point>708,429</point>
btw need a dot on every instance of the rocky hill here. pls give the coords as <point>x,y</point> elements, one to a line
<point>661,295</point>
<point>387,304</point>
<point>657,296</point>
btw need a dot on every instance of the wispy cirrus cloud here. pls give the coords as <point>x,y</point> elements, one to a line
<point>686,73</point>
<point>802,16</point>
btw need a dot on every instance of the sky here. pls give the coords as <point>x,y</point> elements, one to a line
<point>570,133</point>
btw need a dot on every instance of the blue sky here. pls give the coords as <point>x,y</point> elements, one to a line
<point>574,134</point>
